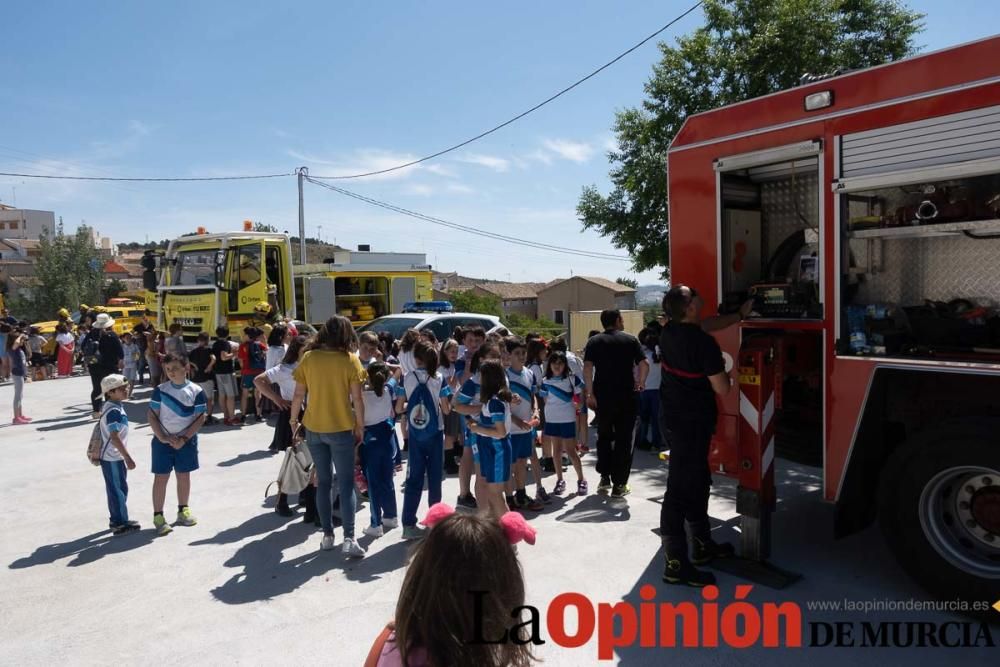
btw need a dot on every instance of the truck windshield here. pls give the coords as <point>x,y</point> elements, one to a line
<point>195,267</point>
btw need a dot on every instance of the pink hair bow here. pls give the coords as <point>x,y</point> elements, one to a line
<point>436,513</point>
<point>514,527</point>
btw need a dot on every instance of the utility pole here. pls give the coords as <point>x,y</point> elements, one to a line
<point>302,173</point>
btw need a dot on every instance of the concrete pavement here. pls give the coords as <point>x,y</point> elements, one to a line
<point>246,586</point>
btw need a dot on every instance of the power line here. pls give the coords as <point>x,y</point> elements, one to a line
<point>113,178</point>
<point>389,169</point>
<point>520,115</point>
<point>471,230</point>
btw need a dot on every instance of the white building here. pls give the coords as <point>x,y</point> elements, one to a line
<point>21,223</point>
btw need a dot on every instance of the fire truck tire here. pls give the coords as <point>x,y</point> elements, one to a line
<point>939,509</point>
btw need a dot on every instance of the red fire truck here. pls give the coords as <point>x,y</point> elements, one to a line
<point>861,212</point>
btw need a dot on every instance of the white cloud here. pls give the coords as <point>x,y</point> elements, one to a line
<point>540,156</point>
<point>458,188</point>
<point>569,150</point>
<point>364,160</point>
<point>493,162</point>
<point>418,189</point>
<point>438,169</point>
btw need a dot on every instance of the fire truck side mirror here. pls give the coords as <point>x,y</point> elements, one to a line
<point>220,269</point>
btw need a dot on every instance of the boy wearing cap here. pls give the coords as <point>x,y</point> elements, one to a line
<point>115,458</point>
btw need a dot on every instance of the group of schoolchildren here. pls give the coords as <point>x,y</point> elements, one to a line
<point>475,405</point>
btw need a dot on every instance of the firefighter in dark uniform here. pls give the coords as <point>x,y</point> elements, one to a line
<point>693,373</point>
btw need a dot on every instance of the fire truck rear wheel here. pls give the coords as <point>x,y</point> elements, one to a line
<point>939,509</point>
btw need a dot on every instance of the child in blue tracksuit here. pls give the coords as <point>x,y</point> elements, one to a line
<point>115,458</point>
<point>378,448</point>
<point>425,395</point>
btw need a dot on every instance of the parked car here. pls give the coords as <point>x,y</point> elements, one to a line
<point>442,324</point>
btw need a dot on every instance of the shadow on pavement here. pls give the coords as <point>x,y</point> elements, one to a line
<point>265,575</point>
<point>245,457</point>
<point>86,549</point>
<point>137,414</point>
<point>67,424</point>
<point>597,509</point>
<point>256,525</point>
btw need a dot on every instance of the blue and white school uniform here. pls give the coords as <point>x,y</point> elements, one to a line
<point>378,451</point>
<point>114,420</point>
<point>425,457</point>
<point>453,422</point>
<point>560,411</point>
<point>494,453</point>
<point>522,384</point>
<point>468,394</point>
<point>178,407</point>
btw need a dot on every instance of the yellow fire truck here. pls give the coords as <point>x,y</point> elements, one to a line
<point>207,280</point>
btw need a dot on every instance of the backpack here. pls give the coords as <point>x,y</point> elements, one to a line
<point>91,348</point>
<point>421,413</point>
<point>95,446</point>
<point>255,355</point>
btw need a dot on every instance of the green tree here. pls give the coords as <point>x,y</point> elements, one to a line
<point>264,227</point>
<point>745,49</point>
<point>468,301</point>
<point>522,324</point>
<point>113,288</point>
<point>628,282</point>
<point>68,271</point>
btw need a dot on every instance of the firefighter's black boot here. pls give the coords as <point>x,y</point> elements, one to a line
<point>678,569</point>
<point>703,548</point>
<point>707,550</point>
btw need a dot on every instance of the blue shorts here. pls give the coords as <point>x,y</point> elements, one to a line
<point>521,444</point>
<point>247,381</point>
<point>560,429</point>
<point>494,459</point>
<point>166,458</point>
<point>470,442</point>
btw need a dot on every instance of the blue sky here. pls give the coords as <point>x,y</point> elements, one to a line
<point>215,88</point>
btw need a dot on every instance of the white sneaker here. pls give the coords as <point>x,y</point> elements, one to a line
<point>389,524</point>
<point>327,543</point>
<point>352,549</point>
<point>374,531</point>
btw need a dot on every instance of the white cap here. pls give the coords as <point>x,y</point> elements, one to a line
<point>112,382</point>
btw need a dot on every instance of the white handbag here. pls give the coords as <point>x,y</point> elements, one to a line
<point>295,471</point>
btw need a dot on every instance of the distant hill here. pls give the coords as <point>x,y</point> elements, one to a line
<point>650,295</point>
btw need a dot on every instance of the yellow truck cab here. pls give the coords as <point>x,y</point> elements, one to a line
<point>208,280</point>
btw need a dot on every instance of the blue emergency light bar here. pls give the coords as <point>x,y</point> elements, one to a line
<point>428,307</point>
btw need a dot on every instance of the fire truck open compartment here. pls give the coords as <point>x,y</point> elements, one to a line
<point>770,219</point>
<point>770,243</point>
<point>919,276</point>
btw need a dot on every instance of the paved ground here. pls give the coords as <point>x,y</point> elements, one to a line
<point>246,586</point>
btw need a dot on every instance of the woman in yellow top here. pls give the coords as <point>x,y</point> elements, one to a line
<point>330,374</point>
